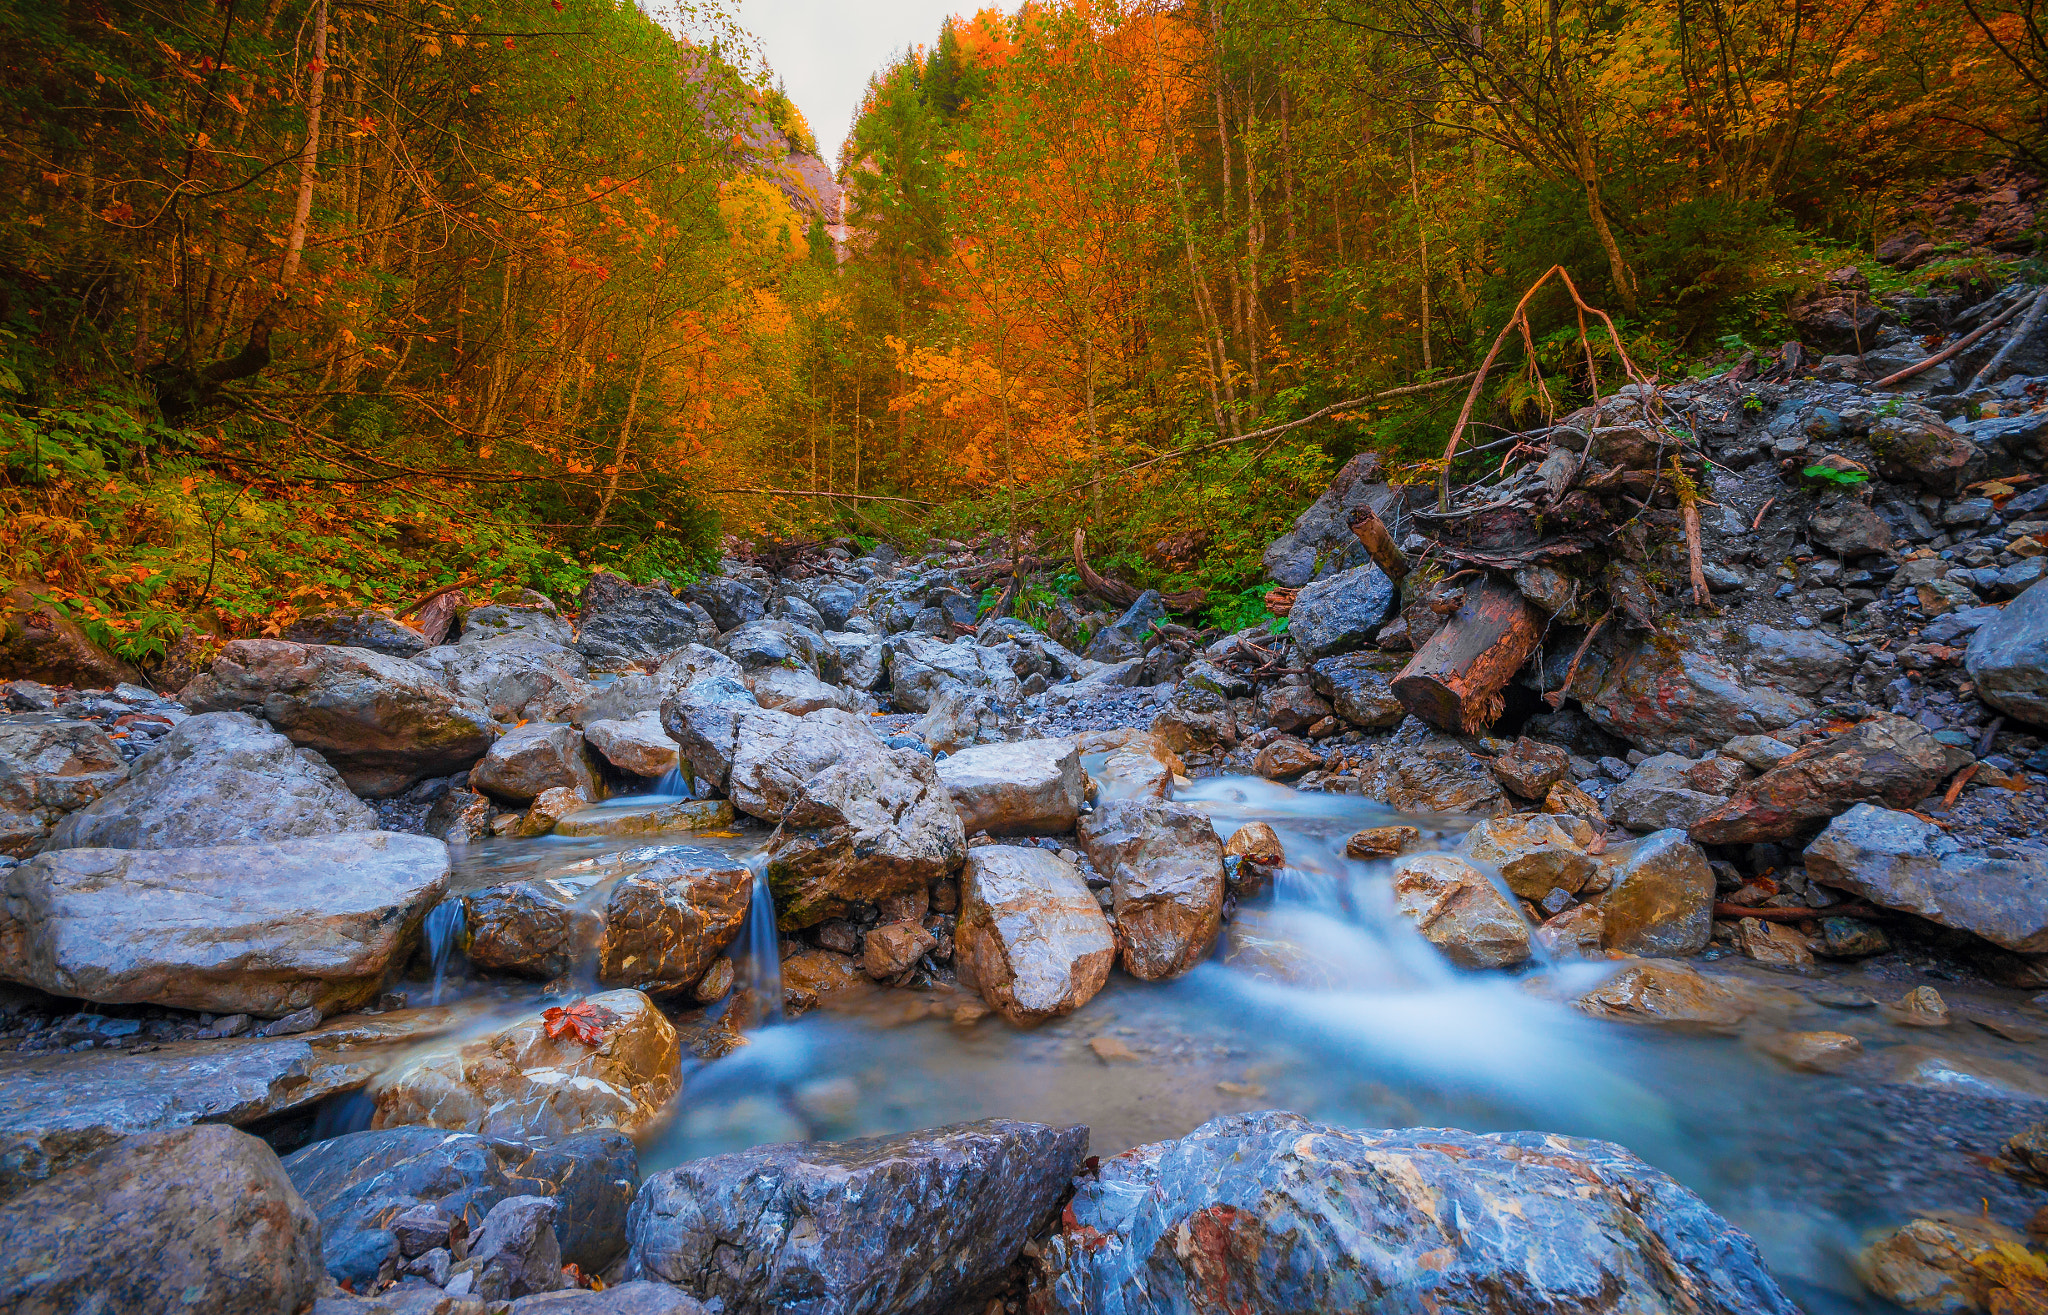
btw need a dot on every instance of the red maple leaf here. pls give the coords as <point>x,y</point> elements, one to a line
<point>583,1020</point>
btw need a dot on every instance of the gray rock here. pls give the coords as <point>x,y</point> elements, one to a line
<point>1761,752</point>
<point>639,746</point>
<point>835,602</point>
<point>1124,638</point>
<point>50,765</point>
<point>529,759</point>
<point>362,1182</point>
<point>1675,693</point>
<point>538,621</point>
<point>794,690</point>
<point>904,1225</point>
<point>201,1219</point>
<point>1288,1215</point>
<point>1321,542</point>
<point>1343,612</point>
<point>221,778</point>
<point>517,1252</point>
<point>1657,795</point>
<point>1165,867</point>
<point>1844,524</point>
<point>384,723</point>
<point>261,929</point>
<point>2008,658</point>
<point>639,1297</point>
<point>758,645</point>
<point>518,678</point>
<point>863,658</point>
<point>1360,687</point>
<point>1952,626</point>
<point>1195,720</point>
<point>1796,661</point>
<point>705,719</point>
<point>730,603</point>
<point>1896,860</point>
<point>56,1109</point>
<point>624,622</point>
<point>920,666</point>
<point>1032,937</point>
<point>377,631</point>
<point>1031,787</point>
<point>643,691</point>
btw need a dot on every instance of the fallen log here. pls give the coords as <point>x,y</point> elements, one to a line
<point>1379,544</point>
<point>1953,348</point>
<point>2019,335</point>
<point>1454,681</point>
<point>1121,594</point>
<point>1863,911</point>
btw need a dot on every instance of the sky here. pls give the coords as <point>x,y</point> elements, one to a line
<point>825,50</point>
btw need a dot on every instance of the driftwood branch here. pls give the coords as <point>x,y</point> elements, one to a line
<point>1863,911</point>
<point>1121,594</point>
<point>1958,345</point>
<point>2019,336</point>
<point>464,583</point>
<point>1379,544</point>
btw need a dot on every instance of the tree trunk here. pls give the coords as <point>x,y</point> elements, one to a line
<point>309,154</point>
<point>1624,281</point>
<point>611,483</point>
<point>1422,241</point>
<point>1454,682</point>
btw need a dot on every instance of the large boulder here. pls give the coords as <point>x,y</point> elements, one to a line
<point>613,1063</point>
<point>1321,542</point>
<point>526,615</point>
<point>729,603</point>
<point>794,690</point>
<point>1165,867</point>
<point>910,1224</point>
<point>1898,861</point>
<point>656,925</point>
<point>360,1182</point>
<point>1926,452</point>
<point>1460,912</point>
<point>379,632</point>
<point>2008,658</point>
<point>531,759</point>
<point>1660,899</point>
<point>518,678</point>
<point>383,722</point>
<point>1661,793</point>
<point>1419,770</point>
<point>1796,661</point>
<point>1673,693</point>
<point>1262,1214</point>
<point>638,746</point>
<point>1360,687</point>
<point>38,644</point>
<point>201,1219</point>
<point>50,765</point>
<point>706,719</point>
<point>1030,787</point>
<point>638,692</point>
<point>624,622</point>
<point>1343,612</point>
<point>1124,638</point>
<point>1031,938</point>
<point>921,666</point>
<point>857,820</point>
<point>221,778</point>
<point>1886,760</point>
<point>321,922</point>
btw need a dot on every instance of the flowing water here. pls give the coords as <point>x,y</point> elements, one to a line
<point>1388,1036</point>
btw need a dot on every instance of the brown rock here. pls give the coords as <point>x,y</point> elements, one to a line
<point>1533,852</point>
<point>668,923</point>
<point>1165,868</point>
<point>1947,1263</point>
<point>822,974</point>
<point>1573,934</point>
<point>1661,991</point>
<point>548,808</point>
<point>37,644</point>
<point>1933,455</point>
<point>1920,1007</point>
<point>1532,767</point>
<point>1032,938</point>
<point>530,760</point>
<point>1285,759</point>
<point>1381,842</point>
<point>1256,842</point>
<point>1773,943</point>
<point>1568,800</point>
<point>715,983</point>
<point>893,948</point>
<point>1660,900</point>
<point>1460,912</point>
<point>1887,760</point>
<point>1716,775</point>
<point>1110,1050</point>
<point>1812,1052</point>
<point>1294,708</point>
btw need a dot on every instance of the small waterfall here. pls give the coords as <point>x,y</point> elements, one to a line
<point>763,967</point>
<point>674,783</point>
<point>444,931</point>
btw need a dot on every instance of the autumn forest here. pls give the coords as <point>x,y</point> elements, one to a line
<point>317,302</point>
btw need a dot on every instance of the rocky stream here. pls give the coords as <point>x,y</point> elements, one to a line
<point>806,940</point>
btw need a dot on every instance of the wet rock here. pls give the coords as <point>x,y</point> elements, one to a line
<point>1886,760</point>
<point>516,614</point>
<point>1030,787</point>
<point>37,644</point>
<point>362,1183</point>
<point>1663,991</point>
<point>1812,1052</point>
<point>1359,687</point>
<point>1772,943</point>
<point>261,929</point>
<point>548,809</point>
<point>384,723</point>
<point>730,603</point>
<point>198,1219</point>
<point>2008,658</point>
<point>624,622</point>
<point>521,1082</point>
<point>794,691</point>
<point>1534,853</point>
<point>1532,767</point>
<point>1286,758</point>
<point>1124,638</point>
<point>1574,933</point>
<point>56,1109</point>
<point>920,666</point>
<point>1032,938</point>
<point>50,765</point>
<point>1673,693</point>
<point>1920,1007</point>
<point>1852,938</point>
<point>858,821</point>
<point>1342,613</point>
<point>1418,770</point>
<point>1660,794</point>
<point>1930,454</point>
<point>517,678</point>
<point>706,719</point>
<point>1661,900</point>
<point>1165,867</point>
<point>538,756</point>
<point>681,815</point>
<point>1948,1263</point>
<point>820,974</point>
<point>379,632</point>
<point>1896,860</point>
<point>1568,800</point>
<point>1196,719</point>
<point>639,746</point>
<point>910,1224</point>
<point>1138,763</point>
<point>1845,525</point>
<point>1256,843</point>
<point>1270,1212</point>
<point>516,1252</point>
<point>1460,912</point>
<point>1381,842</point>
<point>221,778</point>
<point>1321,542</point>
<point>892,949</point>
